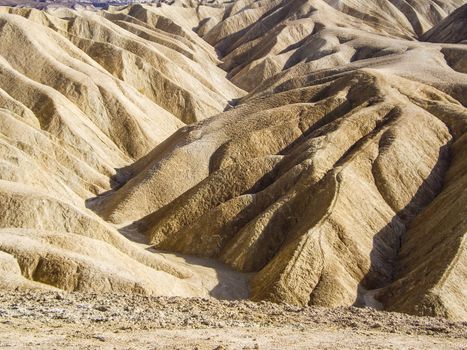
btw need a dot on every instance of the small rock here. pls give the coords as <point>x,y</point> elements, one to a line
<point>101,308</point>
<point>99,337</point>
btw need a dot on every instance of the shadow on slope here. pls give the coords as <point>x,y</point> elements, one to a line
<point>371,288</point>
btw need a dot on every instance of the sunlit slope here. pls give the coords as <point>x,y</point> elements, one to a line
<point>83,94</point>
<point>258,39</point>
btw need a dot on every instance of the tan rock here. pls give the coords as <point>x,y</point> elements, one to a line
<point>338,180</point>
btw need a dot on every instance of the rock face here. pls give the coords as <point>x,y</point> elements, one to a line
<point>338,179</point>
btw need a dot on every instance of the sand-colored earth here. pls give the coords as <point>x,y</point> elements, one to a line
<point>58,321</point>
<point>307,152</point>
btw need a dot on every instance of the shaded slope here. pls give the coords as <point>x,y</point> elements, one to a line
<point>430,277</point>
<point>451,29</point>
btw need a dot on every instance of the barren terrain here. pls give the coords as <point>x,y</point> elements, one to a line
<point>96,321</point>
<point>308,153</point>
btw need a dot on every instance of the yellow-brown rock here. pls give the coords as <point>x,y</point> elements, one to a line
<point>314,148</point>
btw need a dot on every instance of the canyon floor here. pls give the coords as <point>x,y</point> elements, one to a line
<point>91,321</point>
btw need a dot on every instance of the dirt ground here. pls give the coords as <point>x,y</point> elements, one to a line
<point>32,320</point>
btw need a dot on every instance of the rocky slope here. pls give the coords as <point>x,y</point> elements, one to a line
<point>339,179</point>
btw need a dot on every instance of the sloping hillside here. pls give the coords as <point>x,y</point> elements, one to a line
<point>329,170</point>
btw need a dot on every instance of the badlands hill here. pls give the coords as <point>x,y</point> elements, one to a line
<point>317,148</point>
<point>452,29</point>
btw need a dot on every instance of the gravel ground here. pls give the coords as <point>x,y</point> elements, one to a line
<point>32,320</point>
